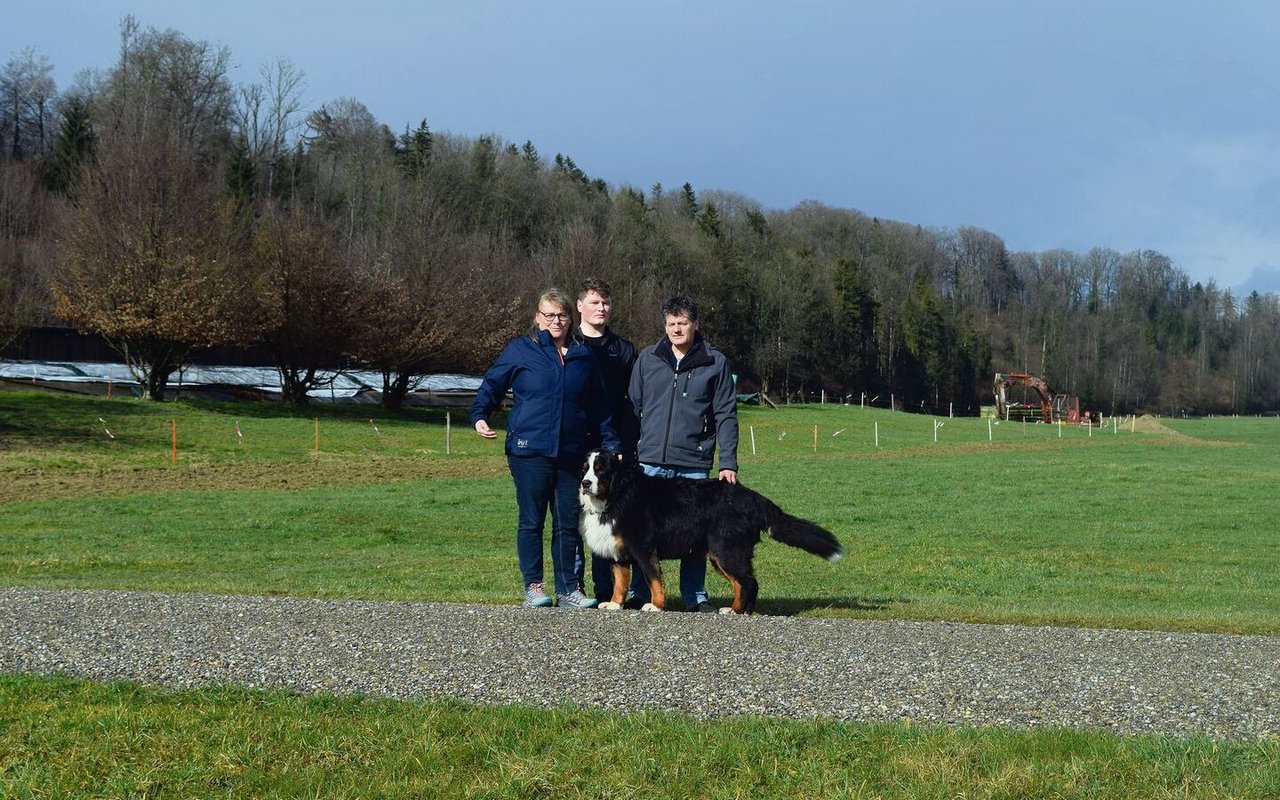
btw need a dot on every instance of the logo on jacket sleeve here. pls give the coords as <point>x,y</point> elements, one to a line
<point>521,444</point>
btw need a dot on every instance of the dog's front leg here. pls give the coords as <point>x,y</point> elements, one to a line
<point>621,582</point>
<point>652,569</point>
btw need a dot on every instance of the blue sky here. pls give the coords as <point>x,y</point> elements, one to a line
<point>1071,124</point>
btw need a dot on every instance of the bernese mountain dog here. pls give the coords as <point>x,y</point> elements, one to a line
<point>632,518</point>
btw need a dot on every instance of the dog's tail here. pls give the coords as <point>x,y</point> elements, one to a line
<point>802,533</point>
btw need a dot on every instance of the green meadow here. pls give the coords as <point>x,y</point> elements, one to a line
<point>1162,525</point>
<point>1150,524</point>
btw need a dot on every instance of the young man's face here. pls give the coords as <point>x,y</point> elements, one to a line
<point>680,330</point>
<point>595,309</point>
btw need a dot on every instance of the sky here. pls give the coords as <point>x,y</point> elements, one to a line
<point>1073,124</point>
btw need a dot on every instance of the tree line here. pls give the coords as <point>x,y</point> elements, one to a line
<point>164,208</point>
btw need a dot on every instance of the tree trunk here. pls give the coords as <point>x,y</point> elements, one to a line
<point>394,389</point>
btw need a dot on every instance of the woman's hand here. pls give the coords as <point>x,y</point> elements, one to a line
<point>484,430</point>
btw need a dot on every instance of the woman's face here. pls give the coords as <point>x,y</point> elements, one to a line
<point>553,319</point>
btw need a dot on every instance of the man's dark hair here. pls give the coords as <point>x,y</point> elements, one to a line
<point>680,305</point>
<point>598,285</point>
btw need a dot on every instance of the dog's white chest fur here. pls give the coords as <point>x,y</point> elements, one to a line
<point>597,534</point>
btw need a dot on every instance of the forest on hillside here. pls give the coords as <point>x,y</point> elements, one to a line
<point>159,205</point>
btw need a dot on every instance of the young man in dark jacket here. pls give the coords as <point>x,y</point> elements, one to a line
<point>683,391</point>
<point>615,356</point>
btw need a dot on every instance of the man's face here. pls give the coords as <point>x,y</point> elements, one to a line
<point>595,309</point>
<point>680,330</point>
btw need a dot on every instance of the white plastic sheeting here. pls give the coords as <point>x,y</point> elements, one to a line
<point>346,384</point>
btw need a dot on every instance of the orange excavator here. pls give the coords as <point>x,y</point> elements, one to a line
<point>1036,402</point>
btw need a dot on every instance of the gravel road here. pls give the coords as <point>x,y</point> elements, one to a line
<point>702,665</point>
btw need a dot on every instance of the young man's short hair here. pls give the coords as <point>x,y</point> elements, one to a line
<point>680,305</point>
<point>598,285</point>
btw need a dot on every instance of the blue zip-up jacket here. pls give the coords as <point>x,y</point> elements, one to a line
<point>687,411</point>
<point>555,404</point>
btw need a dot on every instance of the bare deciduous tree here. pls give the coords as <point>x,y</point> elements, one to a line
<point>306,296</point>
<point>26,215</point>
<point>165,79</point>
<point>267,118</point>
<point>149,261</point>
<point>27,97</point>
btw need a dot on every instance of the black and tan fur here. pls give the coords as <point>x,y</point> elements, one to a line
<point>631,518</point>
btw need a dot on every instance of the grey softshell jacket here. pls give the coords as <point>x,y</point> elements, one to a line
<point>685,411</point>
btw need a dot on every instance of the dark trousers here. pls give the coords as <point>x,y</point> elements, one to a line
<point>542,484</point>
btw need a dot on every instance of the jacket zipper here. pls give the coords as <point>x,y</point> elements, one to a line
<point>558,359</point>
<point>671,412</point>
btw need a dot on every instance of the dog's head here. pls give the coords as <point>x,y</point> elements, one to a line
<point>598,473</point>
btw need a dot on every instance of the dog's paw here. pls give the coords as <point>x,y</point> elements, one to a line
<point>609,606</point>
<point>649,607</point>
<point>727,610</point>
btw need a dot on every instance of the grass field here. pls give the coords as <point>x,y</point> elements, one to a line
<point>1035,524</point>
<point>1163,526</point>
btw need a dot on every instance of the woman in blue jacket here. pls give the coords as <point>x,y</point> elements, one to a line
<point>558,397</point>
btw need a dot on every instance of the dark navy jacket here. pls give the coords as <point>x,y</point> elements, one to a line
<point>555,406</point>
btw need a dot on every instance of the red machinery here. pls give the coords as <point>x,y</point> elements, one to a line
<point>1036,402</point>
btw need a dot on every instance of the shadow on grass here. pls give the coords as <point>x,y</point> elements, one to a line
<point>794,606</point>
<point>45,417</point>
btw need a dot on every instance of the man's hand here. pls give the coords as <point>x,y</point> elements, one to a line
<point>728,475</point>
<point>484,430</point>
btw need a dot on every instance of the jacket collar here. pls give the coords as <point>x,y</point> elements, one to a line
<point>698,355</point>
<point>544,340</point>
<point>579,337</point>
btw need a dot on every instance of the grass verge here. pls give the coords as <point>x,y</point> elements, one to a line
<point>76,739</point>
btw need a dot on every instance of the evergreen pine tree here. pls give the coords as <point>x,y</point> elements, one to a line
<point>242,175</point>
<point>74,148</point>
<point>415,149</point>
<point>530,155</point>
<point>856,328</point>
<point>709,222</point>
<point>689,202</point>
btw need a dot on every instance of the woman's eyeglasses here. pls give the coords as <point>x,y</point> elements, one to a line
<point>554,317</point>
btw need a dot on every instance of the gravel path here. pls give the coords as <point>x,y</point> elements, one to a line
<point>702,665</point>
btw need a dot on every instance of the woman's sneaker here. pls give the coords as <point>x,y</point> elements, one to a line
<point>576,599</point>
<point>535,596</point>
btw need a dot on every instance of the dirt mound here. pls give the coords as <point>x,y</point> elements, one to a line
<point>1149,424</point>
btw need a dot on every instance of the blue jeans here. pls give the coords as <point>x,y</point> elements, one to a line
<point>543,483</point>
<point>693,569</point>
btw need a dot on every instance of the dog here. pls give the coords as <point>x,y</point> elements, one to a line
<point>631,518</point>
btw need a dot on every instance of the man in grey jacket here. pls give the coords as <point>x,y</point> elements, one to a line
<point>683,392</point>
